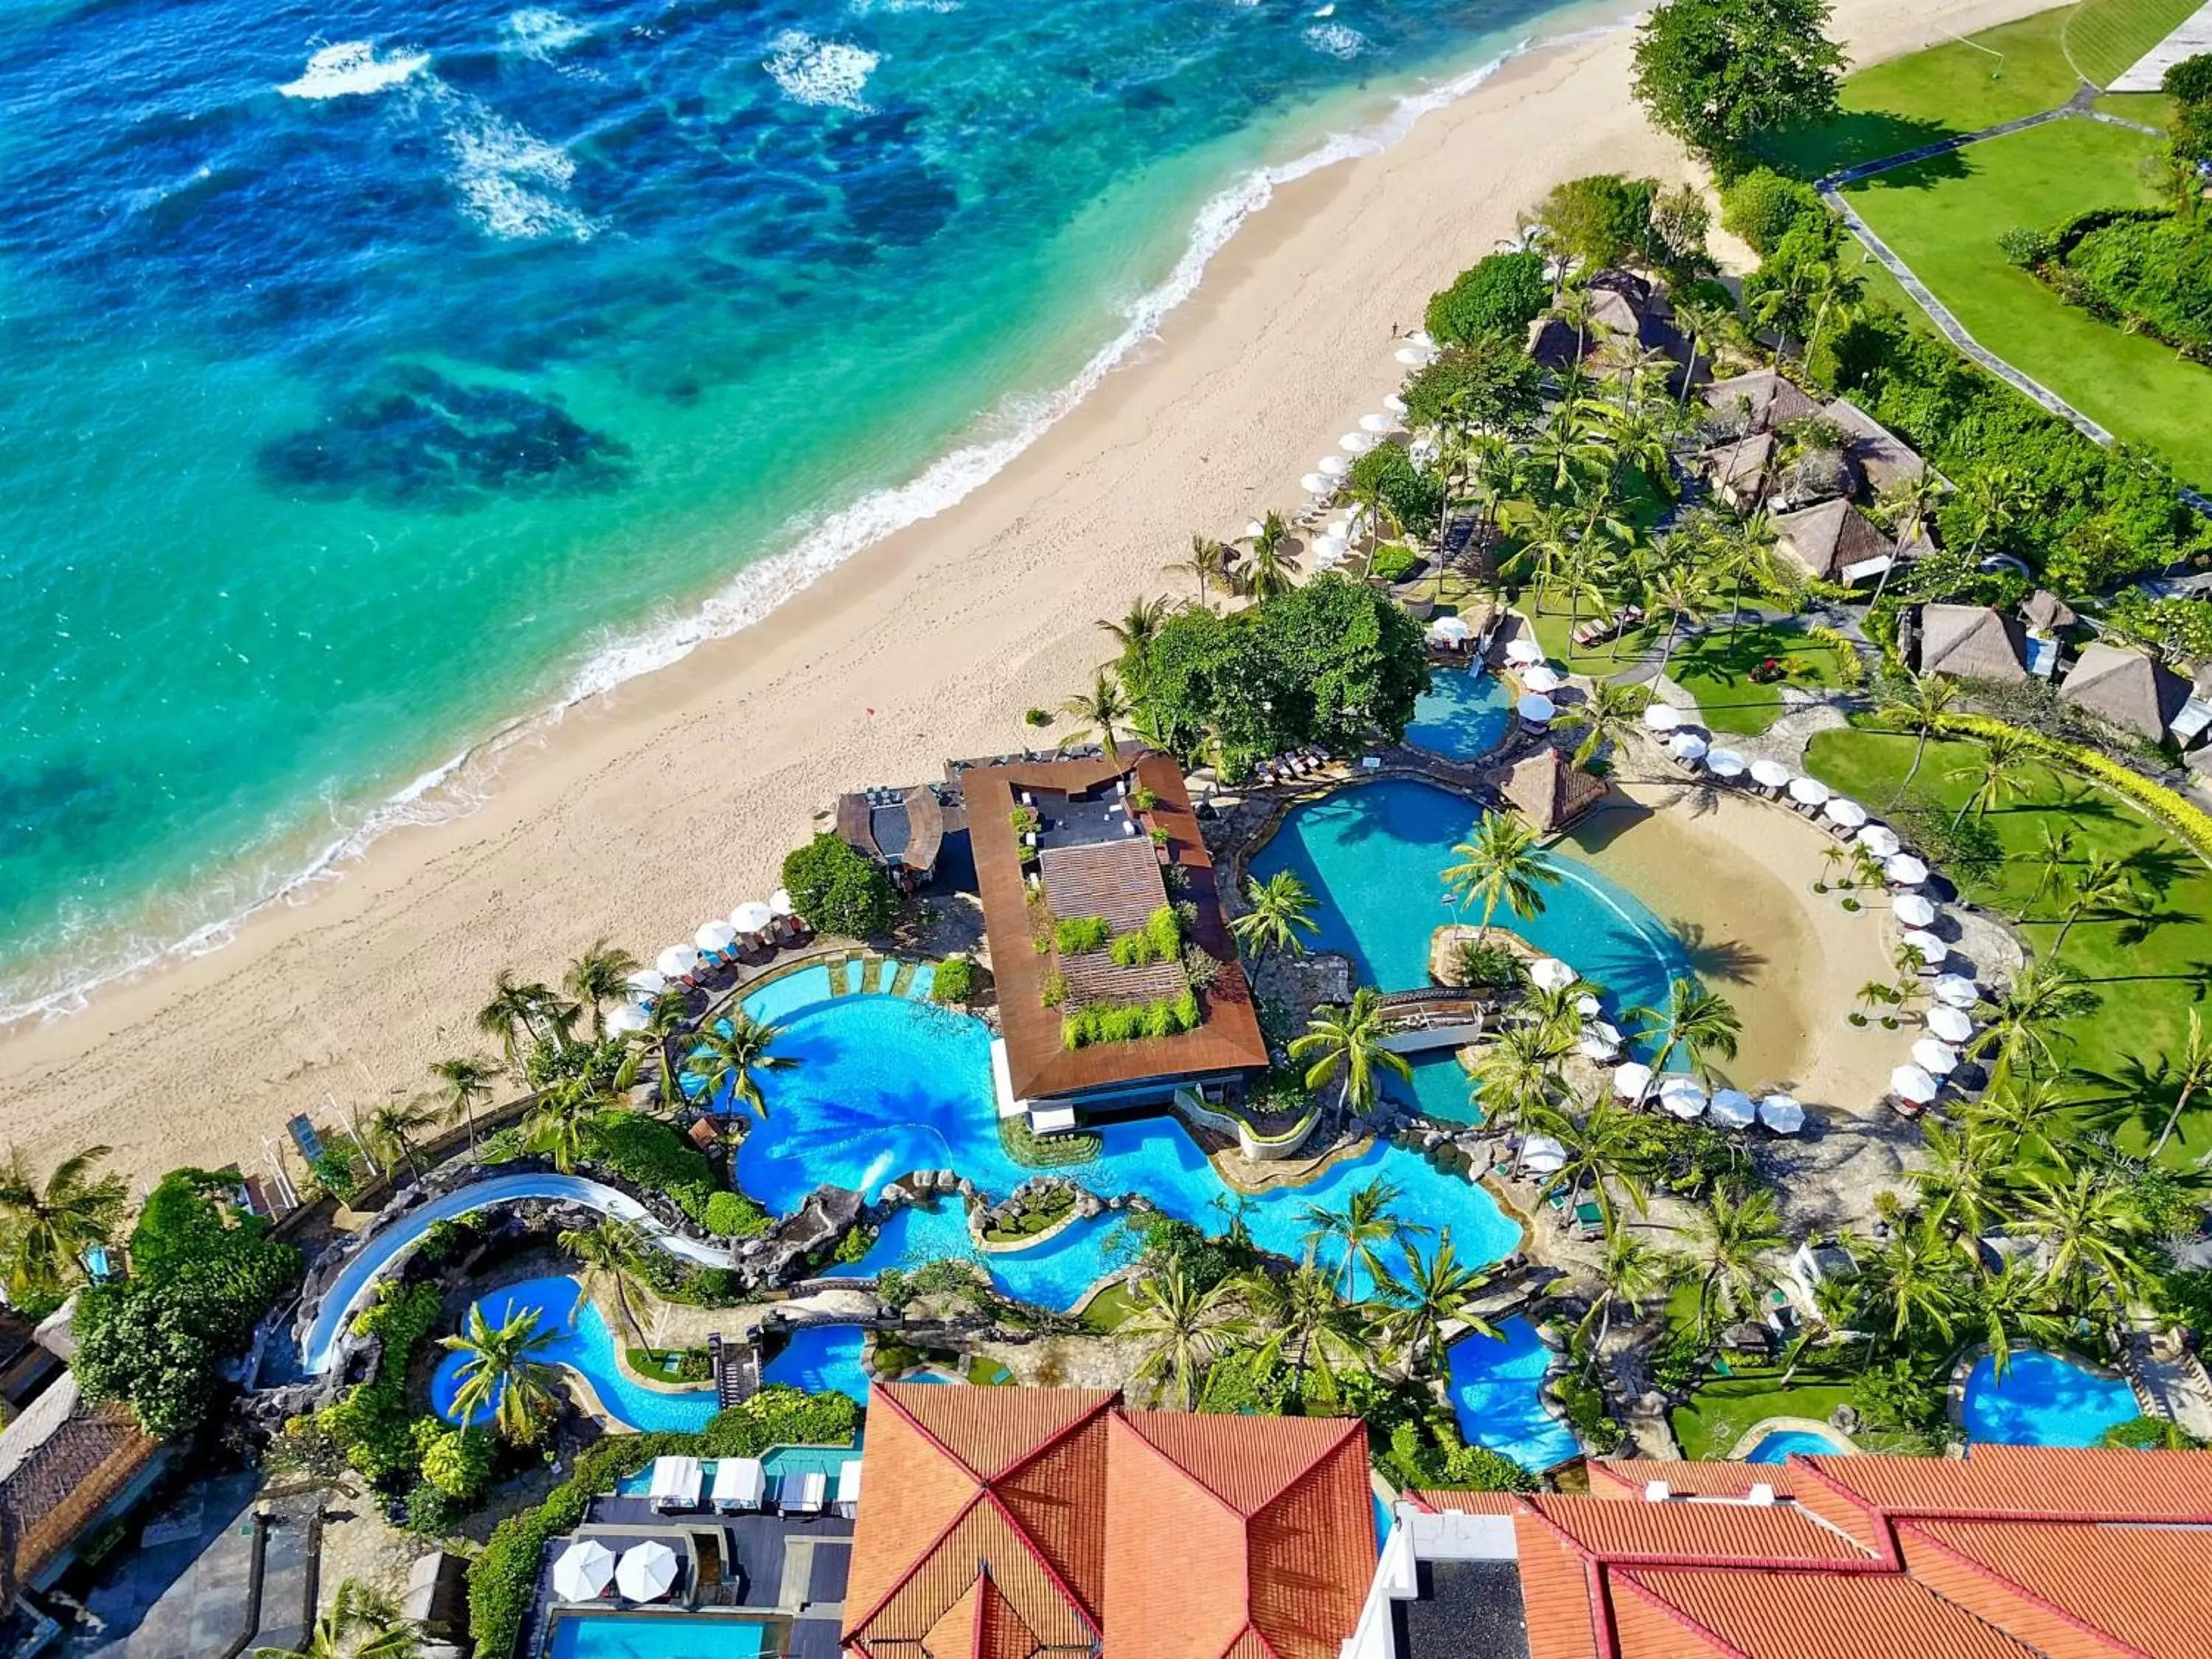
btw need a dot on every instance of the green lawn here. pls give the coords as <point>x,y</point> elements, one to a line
<point>1554,629</point>
<point>1105,1312</point>
<point>1711,1421</point>
<point>2149,970</point>
<point>1716,669</point>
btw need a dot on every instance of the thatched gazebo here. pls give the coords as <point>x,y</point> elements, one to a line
<point>1551,791</point>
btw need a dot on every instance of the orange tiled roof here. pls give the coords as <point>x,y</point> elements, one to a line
<point>1767,1534</point>
<point>1562,1593</point>
<point>1626,1477</point>
<point>1811,1615</point>
<point>2030,1482</point>
<point>2074,1587</point>
<point>1467,1503</point>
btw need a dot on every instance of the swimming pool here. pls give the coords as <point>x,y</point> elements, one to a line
<point>656,1636</point>
<point>2043,1400</point>
<point>823,1359</point>
<point>1375,857</point>
<point>1440,1088</point>
<point>1775,1448</point>
<point>1464,713</point>
<point>1494,1393</point>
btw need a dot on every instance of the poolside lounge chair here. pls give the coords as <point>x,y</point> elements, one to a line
<point>848,1487</point>
<point>675,1484</point>
<point>739,1485</point>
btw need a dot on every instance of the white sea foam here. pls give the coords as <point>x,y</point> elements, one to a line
<point>454,789</point>
<point>1336,41</point>
<point>351,69</point>
<point>512,182</point>
<point>831,73</point>
<point>542,33</point>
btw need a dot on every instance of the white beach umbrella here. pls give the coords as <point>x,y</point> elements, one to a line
<point>1681,1097</point>
<point>1378,424</point>
<point>779,902</point>
<point>1843,812</point>
<point>678,960</point>
<point>647,982</point>
<point>1949,1025</point>
<point>1542,677</point>
<point>1732,1108</point>
<point>1550,973</point>
<point>1542,1155</point>
<point>1914,910</point>
<point>1687,746</point>
<point>1808,792</point>
<point>751,916</point>
<point>1356,443</point>
<point>1603,1030</point>
<point>581,1571</point>
<point>1724,762</point>
<point>1905,870</point>
<point>1632,1079</point>
<point>1936,1059</point>
<point>1661,717</point>
<point>1334,465</point>
<point>645,1572</point>
<point>1412,356</point>
<point>1318,483</point>
<point>625,1019</point>
<point>1782,1114</point>
<point>1913,1083</point>
<point>1254,529</point>
<point>1450,630</point>
<point>1523,653</point>
<point>1537,711</point>
<point>714,936</point>
<point>1956,991</point>
<point>1330,549</point>
<point>1586,1005</point>
<point>1879,839</point>
<point>1394,404</point>
<point>1591,1046</point>
<point>1423,339</point>
<point>1925,946</point>
<point>1770,774</point>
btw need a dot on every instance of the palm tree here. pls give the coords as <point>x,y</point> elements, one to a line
<point>1834,293</point>
<point>2020,1111</point>
<point>1349,1042</point>
<point>1307,1325</point>
<point>505,1374</point>
<point>1577,308</point>
<point>391,1129</point>
<point>614,1251</point>
<point>467,1081</point>
<point>1784,299</point>
<point>1502,864</point>
<point>1605,1145</point>
<point>1270,572</point>
<point>1694,1022</point>
<point>1962,1181</point>
<point>1912,1282</point>
<point>2089,1226</point>
<point>1919,709</point>
<point>1209,560</point>
<point>1734,1244</point>
<point>1282,907</point>
<point>731,1060</point>
<point>599,976</point>
<point>2192,1070</point>
<point>1519,1072</point>
<point>1681,593</point>
<point>1610,710</point>
<point>1995,498</point>
<point>46,1227</point>
<point>1634,1270</point>
<point>1367,1221</point>
<point>1180,1328</point>
<point>2019,1028</point>
<point>361,1624</point>
<point>1996,775</point>
<point>2058,847</point>
<point>2015,1301</point>
<point>1547,540</point>
<point>1429,1295</point>
<point>1135,630</point>
<point>1701,327</point>
<point>1101,709</point>
<point>2104,883</point>
<point>511,1016</point>
<point>665,1019</point>
<point>560,1122</point>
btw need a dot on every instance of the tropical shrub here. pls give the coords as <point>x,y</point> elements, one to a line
<point>838,888</point>
<point>1415,497</point>
<point>2152,1434</point>
<point>457,1462</point>
<point>650,1154</point>
<point>733,1215</point>
<point>1127,1022</point>
<point>1720,74</point>
<point>955,981</point>
<point>1393,562</point>
<point>1491,383</point>
<point>1762,207</point>
<point>1602,220</point>
<point>434,1514</point>
<point>1160,939</point>
<point>1075,934</point>
<point>1499,295</point>
<point>2155,273</point>
<point>1492,965</point>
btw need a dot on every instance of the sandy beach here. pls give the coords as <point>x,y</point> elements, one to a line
<point>675,796</point>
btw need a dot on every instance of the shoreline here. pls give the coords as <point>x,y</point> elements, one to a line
<point>673,795</point>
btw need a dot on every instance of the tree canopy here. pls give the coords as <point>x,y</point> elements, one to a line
<point>1491,385</point>
<point>838,888</point>
<point>1501,294</point>
<point>1603,219</point>
<point>1720,74</point>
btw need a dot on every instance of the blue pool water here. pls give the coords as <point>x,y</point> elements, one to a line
<point>1439,1087</point>
<point>1464,713</point>
<point>822,1359</point>
<point>1777,1447</point>
<point>1375,856</point>
<point>1494,1381</point>
<point>584,1346</point>
<point>2042,1400</point>
<point>655,1636</point>
<point>777,1462</point>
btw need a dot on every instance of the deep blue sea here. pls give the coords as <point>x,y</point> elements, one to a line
<point>373,376</point>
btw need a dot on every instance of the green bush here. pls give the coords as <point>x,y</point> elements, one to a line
<point>1500,295</point>
<point>733,1215</point>
<point>650,1154</point>
<point>369,1424</point>
<point>2189,81</point>
<point>457,1462</point>
<point>1073,935</point>
<point>1160,939</point>
<point>1393,562</point>
<point>2155,271</point>
<point>1489,965</point>
<point>1492,385</point>
<point>434,1514</point>
<point>955,982</point>
<point>2152,1434</point>
<point>1127,1022</point>
<point>1055,1151</point>
<point>1762,207</point>
<point>1603,219</point>
<point>1415,497</point>
<point>2027,247</point>
<point>838,888</point>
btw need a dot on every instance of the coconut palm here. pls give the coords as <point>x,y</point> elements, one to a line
<point>45,1227</point>
<point>1919,706</point>
<point>1993,499</point>
<point>599,976</point>
<point>1346,1044</point>
<point>2090,1228</point>
<point>361,1624</point>
<point>1785,299</point>
<point>1100,710</point>
<point>2019,1113</point>
<point>1432,1293</point>
<point>1180,1328</point>
<point>1733,1247</point>
<point>1633,1271</point>
<point>1501,864</point>
<point>730,1056</point>
<point>2015,1302</point>
<point>1135,629</point>
<point>1996,775</point>
<point>1610,710</point>
<point>1694,1022</point>
<point>1549,532</point>
<point>1367,1222</point>
<point>504,1375</point>
<point>1682,594</point>
<point>1209,560</point>
<point>2051,858</point>
<point>1835,296</point>
<point>614,1251</point>
<point>670,1012</point>
<point>1911,1284</point>
<point>512,1015</point>
<point>1702,327</point>
<point>1269,573</point>
<point>467,1082</point>
<point>1962,1184</point>
<point>2018,1030</point>
<point>1605,1145</point>
<point>560,1122</point>
<point>1305,1324</point>
<point>2106,883</point>
<point>2190,1071</point>
<point>1518,1073</point>
<point>1282,907</point>
<point>391,1129</point>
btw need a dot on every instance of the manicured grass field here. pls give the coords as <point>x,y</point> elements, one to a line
<point>1716,668</point>
<point>1555,630</point>
<point>2148,968</point>
<point>1711,1421</point>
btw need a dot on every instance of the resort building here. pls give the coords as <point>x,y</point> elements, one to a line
<point>1834,542</point>
<point>1074,857</point>
<point>1002,1524</point>
<point>1971,643</point>
<point>1758,402</point>
<point>1882,458</point>
<point>2011,1552</point>
<point>902,829</point>
<point>2128,688</point>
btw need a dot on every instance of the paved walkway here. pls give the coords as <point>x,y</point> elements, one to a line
<point>185,1591</point>
<point>2148,71</point>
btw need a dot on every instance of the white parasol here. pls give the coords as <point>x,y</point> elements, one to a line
<point>582,1570</point>
<point>625,1019</point>
<point>1356,443</point>
<point>1844,812</point>
<point>678,960</point>
<point>1423,339</point>
<point>1450,630</point>
<point>1950,1025</point>
<point>1412,356</point>
<point>1905,870</point>
<point>779,902</point>
<point>1593,1046</point>
<point>1632,1079</point>
<point>714,936</point>
<point>647,982</point>
<point>1550,973</point>
<point>1732,1108</point>
<point>1541,678</point>
<point>1335,467</point>
<point>751,916</point>
<point>1770,774</point>
<point>1781,1114</point>
<point>1914,910</point>
<point>1687,746</point>
<point>1331,548</point>
<point>1879,839</point>
<point>1936,1059</point>
<point>1925,946</point>
<point>1542,1155</point>
<point>645,1572</point>
<point>1661,717</point>
<point>1537,711</point>
<point>1912,1082</point>
<point>1395,405</point>
<point>1586,1005</point>
<point>1523,653</point>
<point>1681,1097</point>
<point>1957,990</point>
<point>1808,792</point>
<point>1318,483</point>
<point>1724,764</point>
<point>1378,424</point>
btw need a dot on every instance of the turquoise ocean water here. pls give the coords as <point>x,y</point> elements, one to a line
<point>372,377</point>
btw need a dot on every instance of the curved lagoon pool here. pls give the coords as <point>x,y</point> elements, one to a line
<point>2043,1400</point>
<point>1775,1448</point>
<point>1466,712</point>
<point>1495,1383</point>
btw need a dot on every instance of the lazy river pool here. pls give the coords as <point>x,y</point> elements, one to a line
<point>1464,715</point>
<point>1495,1383</point>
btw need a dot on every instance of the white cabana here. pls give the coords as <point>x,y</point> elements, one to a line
<point>1687,746</point>
<point>751,918</point>
<point>1550,973</point>
<point>625,1019</point>
<point>1843,812</point>
<point>1770,774</point>
<point>739,1484</point>
<point>1913,910</point>
<point>1632,1079</point>
<point>1523,653</point>
<point>1956,991</point>
<point>1732,1108</point>
<point>1808,792</point>
<point>714,936</point>
<point>1542,1155</point>
<point>676,1483</point>
<point>848,1487</point>
<point>1450,630</point>
<point>1912,1082</point>
<point>1536,710</point>
<point>1335,467</point>
<point>1542,678</point>
<point>647,983</point>
<point>779,902</point>
<point>1660,717</point>
<point>678,960</point>
<point>1680,1097</point>
<point>1879,839</point>
<point>1936,1059</point>
<point>583,1570</point>
<point>1925,946</point>
<point>1905,870</point>
<point>647,1571</point>
<point>1318,483</point>
<point>805,1494</point>
<point>1782,1114</point>
<point>1423,339</point>
<point>1356,443</point>
<point>1377,423</point>
<point>1950,1025</point>
<point>1395,405</point>
<point>1724,764</point>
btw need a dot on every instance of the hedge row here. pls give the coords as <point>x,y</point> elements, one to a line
<point>2192,825</point>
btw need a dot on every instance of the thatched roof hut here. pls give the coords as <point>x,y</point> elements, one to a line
<point>2128,688</point>
<point>1757,402</point>
<point>1827,538</point>
<point>1551,791</point>
<point>1883,459</point>
<point>1971,643</point>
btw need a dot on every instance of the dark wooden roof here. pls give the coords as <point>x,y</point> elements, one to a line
<point>1549,790</point>
<point>910,830</point>
<point>62,1461</point>
<point>1228,1036</point>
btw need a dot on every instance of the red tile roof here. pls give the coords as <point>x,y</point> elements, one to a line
<point>2074,1587</point>
<point>2029,1481</point>
<point>1626,1477</point>
<point>1808,1615</point>
<point>1763,1534</point>
<point>1467,1503</point>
